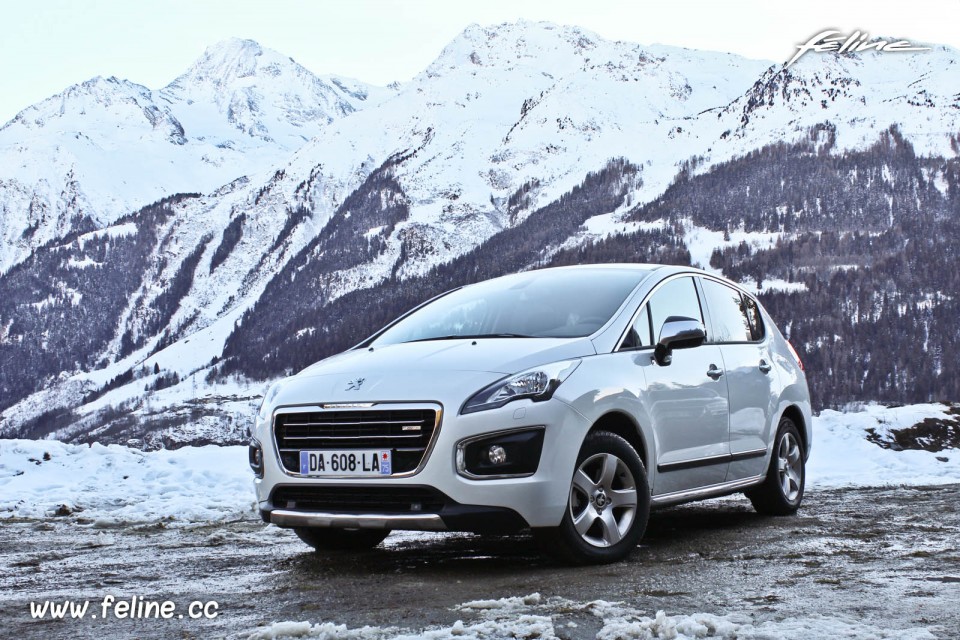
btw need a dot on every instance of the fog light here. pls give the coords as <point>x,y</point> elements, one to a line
<point>496,454</point>
<point>504,454</point>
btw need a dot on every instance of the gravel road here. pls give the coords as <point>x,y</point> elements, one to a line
<point>886,560</point>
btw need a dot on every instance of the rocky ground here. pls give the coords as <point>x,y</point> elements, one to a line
<point>880,563</point>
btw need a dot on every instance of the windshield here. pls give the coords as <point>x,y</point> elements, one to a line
<point>561,303</point>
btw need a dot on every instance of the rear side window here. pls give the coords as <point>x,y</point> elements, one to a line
<point>756,320</point>
<point>728,312</point>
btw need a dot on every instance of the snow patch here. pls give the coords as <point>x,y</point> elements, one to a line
<point>115,485</point>
<point>506,604</point>
<point>841,455</point>
<point>73,263</point>
<point>702,242</point>
<point>116,231</point>
<point>373,232</point>
<point>515,618</point>
<point>773,284</point>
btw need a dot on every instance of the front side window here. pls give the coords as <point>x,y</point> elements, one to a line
<point>728,312</point>
<point>640,334</point>
<point>677,297</point>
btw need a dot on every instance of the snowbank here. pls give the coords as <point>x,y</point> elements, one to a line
<point>842,456</point>
<point>115,484</point>
<point>528,617</point>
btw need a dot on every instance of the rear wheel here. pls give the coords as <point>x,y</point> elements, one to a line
<point>608,504</point>
<point>323,539</point>
<point>782,491</point>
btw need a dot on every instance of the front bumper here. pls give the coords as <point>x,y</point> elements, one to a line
<point>287,518</point>
<point>464,503</point>
<point>412,508</point>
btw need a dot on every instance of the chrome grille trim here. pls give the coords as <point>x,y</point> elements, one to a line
<point>403,443</point>
<point>391,437</point>
<point>355,424</point>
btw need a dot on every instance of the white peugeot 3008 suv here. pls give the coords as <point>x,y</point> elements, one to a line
<point>567,400</point>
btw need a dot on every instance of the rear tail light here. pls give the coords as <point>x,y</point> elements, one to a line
<point>796,356</point>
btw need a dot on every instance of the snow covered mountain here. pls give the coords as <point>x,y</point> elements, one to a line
<point>106,147</point>
<point>859,94</point>
<point>479,163</point>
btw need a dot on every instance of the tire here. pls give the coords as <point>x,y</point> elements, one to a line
<point>782,491</point>
<point>608,504</point>
<point>323,539</point>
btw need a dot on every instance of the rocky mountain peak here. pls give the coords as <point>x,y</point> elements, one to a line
<point>510,44</point>
<point>229,60</point>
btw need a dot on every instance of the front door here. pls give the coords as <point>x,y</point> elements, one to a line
<point>687,400</point>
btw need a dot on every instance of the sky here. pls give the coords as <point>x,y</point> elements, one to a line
<point>48,45</point>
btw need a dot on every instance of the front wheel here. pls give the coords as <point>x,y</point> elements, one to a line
<point>608,505</point>
<point>782,491</point>
<point>323,539</point>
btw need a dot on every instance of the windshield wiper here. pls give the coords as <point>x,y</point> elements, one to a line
<point>470,337</point>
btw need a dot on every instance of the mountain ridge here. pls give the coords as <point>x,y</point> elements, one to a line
<point>122,145</point>
<point>505,126</point>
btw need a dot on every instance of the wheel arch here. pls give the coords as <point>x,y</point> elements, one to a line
<point>626,427</point>
<point>796,415</point>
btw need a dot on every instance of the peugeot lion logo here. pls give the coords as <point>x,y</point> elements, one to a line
<point>354,385</point>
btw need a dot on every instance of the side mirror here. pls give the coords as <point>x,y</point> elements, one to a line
<point>678,332</point>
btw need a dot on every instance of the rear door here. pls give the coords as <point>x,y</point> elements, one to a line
<point>737,329</point>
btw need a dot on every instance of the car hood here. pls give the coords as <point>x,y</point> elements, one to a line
<point>421,370</point>
<point>494,355</point>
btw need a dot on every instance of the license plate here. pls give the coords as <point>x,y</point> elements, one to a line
<point>346,462</point>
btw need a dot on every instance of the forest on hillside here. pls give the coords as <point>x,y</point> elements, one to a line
<point>872,235</point>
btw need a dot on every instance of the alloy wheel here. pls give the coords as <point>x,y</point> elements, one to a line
<point>789,466</point>
<point>603,499</point>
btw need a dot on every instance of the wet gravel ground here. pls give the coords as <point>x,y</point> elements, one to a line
<point>887,557</point>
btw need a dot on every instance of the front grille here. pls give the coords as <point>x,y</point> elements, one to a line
<point>386,500</point>
<point>406,432</point>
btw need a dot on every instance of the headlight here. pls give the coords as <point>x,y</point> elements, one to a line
<point>537,383</point>
<point>267,398</point>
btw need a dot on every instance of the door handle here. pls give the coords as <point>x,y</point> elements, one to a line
<point>765,366</point>
<point>714,372</point>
